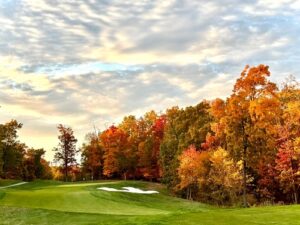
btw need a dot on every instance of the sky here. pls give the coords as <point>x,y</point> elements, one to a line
<point>89,63</point>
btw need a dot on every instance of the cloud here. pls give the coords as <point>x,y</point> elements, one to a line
<point>92,62</point>
<point>147,32</point>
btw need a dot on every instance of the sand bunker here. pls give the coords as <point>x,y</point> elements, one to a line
<point>129,190</point>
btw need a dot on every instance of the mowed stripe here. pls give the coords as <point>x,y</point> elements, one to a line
<point>86,184</point>
<point>13,185</point>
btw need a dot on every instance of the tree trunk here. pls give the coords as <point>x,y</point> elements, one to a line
<point>295,194</point>
<point>66,163</point>
<point>66,172</point>
<point>4,171</point>
<point>245,146</point>
<point>295,197</point>
<point>245,204</point>
<point>65,177</point>
<point>189,193</point>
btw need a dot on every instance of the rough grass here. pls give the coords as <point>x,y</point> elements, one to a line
<point>48,202</point>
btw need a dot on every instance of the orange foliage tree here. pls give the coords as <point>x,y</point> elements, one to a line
<point>193,170</point>
<point>117,157</point>
<point>248,111</point>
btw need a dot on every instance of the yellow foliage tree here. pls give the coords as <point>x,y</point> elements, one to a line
<point>225,177</point>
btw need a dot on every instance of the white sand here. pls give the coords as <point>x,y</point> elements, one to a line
<point>129,190</point>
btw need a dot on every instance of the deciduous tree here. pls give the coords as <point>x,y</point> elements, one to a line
<point>225,177</point>
<point>11,150</point>
<point>34,166</point>
<point>184,127</point>
<point>193,170</point>
<point>66,151</point>
<point>116,159</point>
<point>288,157</point>
<point>245,136</point>
<point>92,156</point>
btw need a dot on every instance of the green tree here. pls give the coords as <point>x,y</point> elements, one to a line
<point>11,151</point>
<point>34,165</point>
<point>184,127</point>
<point>92,156</point>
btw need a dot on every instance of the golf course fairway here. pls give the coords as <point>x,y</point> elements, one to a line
<point>50,202</point>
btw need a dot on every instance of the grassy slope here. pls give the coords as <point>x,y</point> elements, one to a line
<point>81,203</point>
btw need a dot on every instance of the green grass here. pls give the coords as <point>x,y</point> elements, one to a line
<point>49,202</point>
<point>8,182</point>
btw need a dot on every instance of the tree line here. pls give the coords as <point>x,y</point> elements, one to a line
<point>17,161</point>
<point>241,150</point>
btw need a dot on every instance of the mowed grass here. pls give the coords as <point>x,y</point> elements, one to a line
<point>49,202</point>
<point>7,182</point>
